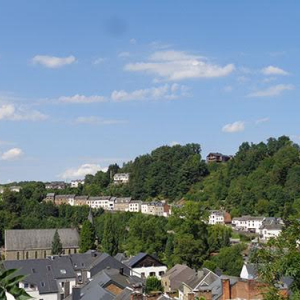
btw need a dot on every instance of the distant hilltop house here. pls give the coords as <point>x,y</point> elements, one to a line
<point>25,244</point>
<point>55,185</point>
<point>217,157</point>
<point>13,188</point>
<point>121,178</point>
<point>219,217</point>
<point>76,183</point>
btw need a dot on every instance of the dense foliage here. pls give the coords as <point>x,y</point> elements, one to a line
<point>25,210</point>
<point>153,285</point>
<point>261,179</point>
<point>280,258</point>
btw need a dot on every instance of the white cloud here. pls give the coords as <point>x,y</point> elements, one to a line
<point>53,62</point>
<point>166,91</point>
<point>174,143</point>
<point>99,61</point>
<point>234,127</point>
<point>92,120</point>
<point>12,154</point>
<point>271,70</point>
<point>263,120</point>
<point>81,99</point>
<point>123,54</point>
<point>13,113</point>
<point>81,171</point>
<point>176,65</point>
<point>275,90</point>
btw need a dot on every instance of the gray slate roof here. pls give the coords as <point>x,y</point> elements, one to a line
<point>178,274</point>
<point>43,272</point>
<point>29,239</point>
<point>95,289</point>
<point>96,262</point>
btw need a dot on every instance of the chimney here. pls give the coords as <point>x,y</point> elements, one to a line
<point>226,289</point>
<point>200,274</point>
<point>76,293</point>
<point>191,296</point>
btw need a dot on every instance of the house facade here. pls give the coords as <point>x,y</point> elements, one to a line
<point>144,265</point>
<point>248,223</point>
<point>219,217</point>
<point>121,178</point>
<point>76,183</point>
<point>217,157</point>
<point>122,204</point>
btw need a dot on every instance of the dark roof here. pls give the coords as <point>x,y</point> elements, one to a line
<point>95,262</point>
<point>123,200</point>
<point>27,239</point>
<point>43,272</point>
<point>178,274</point>
<point>134,260</point>
<point>100,198</point>
<point>95,289</point>
<point>252,270</point>
<point>120,257</point>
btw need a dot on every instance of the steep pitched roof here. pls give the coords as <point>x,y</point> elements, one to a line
<point>43,272</point>
<point>21,239</point>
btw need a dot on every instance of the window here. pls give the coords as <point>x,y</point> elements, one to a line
<point>152,274</point>
<point>49,268</point>
<point>18,255</point>
<point>45,254</point>
<point>27,255</point>
<point>26,285</point>
<point>161,273</point>
<point>62,284</point>
<point>35,254</point>
<point>33,271</point>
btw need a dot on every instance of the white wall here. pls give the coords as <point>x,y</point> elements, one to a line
<point>147,270</point>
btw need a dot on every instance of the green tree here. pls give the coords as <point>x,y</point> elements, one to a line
<point>280,257</point>
<point>56,244</point>
<point>153,285</point>
<point>109,242</point>
<point>9,282</point>
<point>87,237</point>
<point>230,260</point>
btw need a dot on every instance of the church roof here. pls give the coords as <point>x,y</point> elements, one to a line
<point>21,239</point>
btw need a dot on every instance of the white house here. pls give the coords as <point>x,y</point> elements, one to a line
<point>135,205</point>
<point>105,202</point>
<point>144,265</point>
<point>248,223</point>
<point>144,208</point>
<point>271,228</point>
<point>219,217</point>
<point>120,178</point>
<point>76,183</point>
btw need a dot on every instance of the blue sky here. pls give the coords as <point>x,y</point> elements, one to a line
<point>87,83</point>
